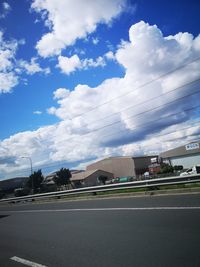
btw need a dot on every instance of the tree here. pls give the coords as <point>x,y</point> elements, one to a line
<point>178,167</point>
<point>35,180</point>
<point>103,179</point>
<point>62,177</point>
<point>166,168</point>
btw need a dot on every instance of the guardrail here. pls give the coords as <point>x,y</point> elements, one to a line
<point>111,187</point>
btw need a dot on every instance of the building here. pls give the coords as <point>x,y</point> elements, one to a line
<point>89,177</point>
<point>124,166</point>
<point>187,155</point>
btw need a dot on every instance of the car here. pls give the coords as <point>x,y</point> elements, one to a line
<point>192,171</point>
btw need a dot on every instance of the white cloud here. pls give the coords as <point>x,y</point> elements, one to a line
<point>6,9</point>
<point>69,21</point>
<point>61,93</point>
<point>95,41</point>
<point>71,64</point>
<point>37,112</point>
<point>33,67</point>
<point>7,81</point>
<point>6,6</point>
<point>8,78</point>
<point>141,127</point>
<point>11,67</point>
<point>68,64</point>
<point>110,55</point>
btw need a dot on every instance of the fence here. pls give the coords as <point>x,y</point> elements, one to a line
<point>151,183</point>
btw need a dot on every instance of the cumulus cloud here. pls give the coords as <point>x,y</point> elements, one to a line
<point>95,41</point>
<point>11,68</point>
<point>69,65</point>
<point>6,8</point>
<point>61,93</point>
<point>143,112</point>
<point>138,109</point>
<point>69,21</point>
<point>33,67</point>
<point>37,112</point>
<point>8,78</point>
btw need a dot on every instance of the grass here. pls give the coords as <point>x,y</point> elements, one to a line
<point>136,190</point>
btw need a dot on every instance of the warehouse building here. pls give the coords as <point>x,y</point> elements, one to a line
<point>124,166</point>
<point>187,155</point>
<point>89,177</point>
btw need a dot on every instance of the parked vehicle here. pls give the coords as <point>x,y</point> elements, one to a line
<point>124,179</point>
<point>191,171</point>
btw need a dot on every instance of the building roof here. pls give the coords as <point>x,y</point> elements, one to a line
<point>83,175</point>
<point>186,150</point>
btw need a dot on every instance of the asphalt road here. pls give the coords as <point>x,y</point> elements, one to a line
<point>139,231</point>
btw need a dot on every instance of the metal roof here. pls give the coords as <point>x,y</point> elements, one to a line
<point>186,150</point>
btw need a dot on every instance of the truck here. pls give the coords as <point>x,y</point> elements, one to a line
<point>191,171</point>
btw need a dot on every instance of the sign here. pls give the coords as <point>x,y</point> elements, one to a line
<point>153,160</point>
<point>192,146</point>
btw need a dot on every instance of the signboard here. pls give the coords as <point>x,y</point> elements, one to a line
<point>153,160</point>
<point>192,146</point>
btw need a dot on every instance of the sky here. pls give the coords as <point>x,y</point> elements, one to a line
<point>85,80</point>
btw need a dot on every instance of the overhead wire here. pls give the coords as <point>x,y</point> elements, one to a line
<point>48,166</point>
<point>139,87</point>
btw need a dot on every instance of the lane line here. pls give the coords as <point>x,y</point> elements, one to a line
<point>105,209</point>
<point>27,262</point>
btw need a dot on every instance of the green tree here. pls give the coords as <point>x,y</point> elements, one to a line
<point>62,177</point>
<point>166,168</point>
<point>35,180</point>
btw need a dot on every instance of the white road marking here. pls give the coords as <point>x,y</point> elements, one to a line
<point>27,262</point>
<point>106,209</point>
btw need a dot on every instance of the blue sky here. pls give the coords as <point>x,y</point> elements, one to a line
<point>61,59</point>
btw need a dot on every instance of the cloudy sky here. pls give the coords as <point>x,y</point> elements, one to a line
<point>84,80</point>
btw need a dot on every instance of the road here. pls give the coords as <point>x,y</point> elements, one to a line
<point>136,231</point>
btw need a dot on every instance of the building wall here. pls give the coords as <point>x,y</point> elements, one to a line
<point>119,166</point>
<point>142,164</point>
<point>186,150</point>
<point>89,177</point>
<point>186,162</point>
<point>187,156</point>
<point>92,179</point>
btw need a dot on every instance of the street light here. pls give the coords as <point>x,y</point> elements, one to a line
<point>29,158</point>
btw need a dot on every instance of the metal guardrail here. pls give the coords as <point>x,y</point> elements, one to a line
<point>175,180</point>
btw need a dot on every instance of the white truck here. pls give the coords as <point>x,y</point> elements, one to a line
<point>192,171</point>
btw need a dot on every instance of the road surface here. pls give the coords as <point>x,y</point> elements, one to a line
<point>161,231</point>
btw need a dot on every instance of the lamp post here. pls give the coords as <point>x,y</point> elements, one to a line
<point>31,164</point>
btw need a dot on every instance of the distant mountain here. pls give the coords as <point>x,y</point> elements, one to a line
<point>10,184</point>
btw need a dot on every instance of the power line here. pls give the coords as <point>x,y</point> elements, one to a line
<point>150,110</point>
<point>132,106</point>
<point>138,114</point>
<point>135,115</point>
<point>149,100</point>
<point>141,86</point>
<point>141,113</point>
<point>150,122</point>
<point>157,135</point>
<point>58,164</point>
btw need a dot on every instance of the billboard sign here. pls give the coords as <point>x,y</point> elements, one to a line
<point>192,146</point>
